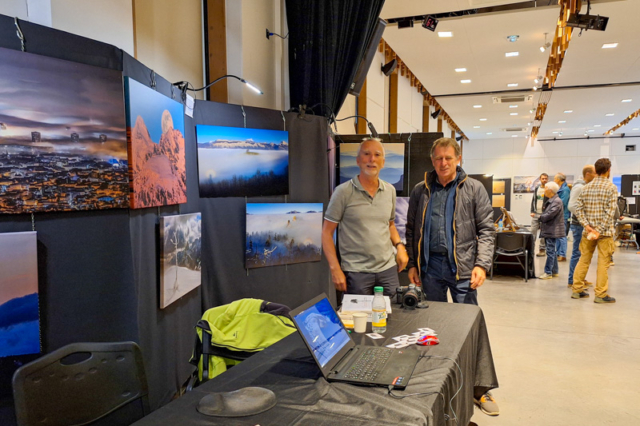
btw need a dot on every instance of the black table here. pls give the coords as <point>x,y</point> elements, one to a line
<point>306,398</point>
<point>530,244</point>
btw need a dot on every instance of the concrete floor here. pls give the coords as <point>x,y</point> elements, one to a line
<point>562,361</point>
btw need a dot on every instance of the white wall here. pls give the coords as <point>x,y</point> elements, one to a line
<point>376,106</point>
<point>505,158</point>
<point>109,21</point>
<point>409,107</point>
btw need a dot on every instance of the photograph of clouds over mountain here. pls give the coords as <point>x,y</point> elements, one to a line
<point>180,257</point>
<point>155,128</point>
<point>62,135</point>
<point>283,233</point>
<point>393,171</point>
<point>239,162</point>
<point>19,314</point>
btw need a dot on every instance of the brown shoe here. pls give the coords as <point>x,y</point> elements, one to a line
<point>562,259</point>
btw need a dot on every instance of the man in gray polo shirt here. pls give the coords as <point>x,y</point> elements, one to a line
<point>364,207</point>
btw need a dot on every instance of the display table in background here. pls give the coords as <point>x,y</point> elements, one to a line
<point>306,398</point>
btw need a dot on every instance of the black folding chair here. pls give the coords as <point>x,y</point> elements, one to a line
<point>511,244</point>
<point>82,384</point>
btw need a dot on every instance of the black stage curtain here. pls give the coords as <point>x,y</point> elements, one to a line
<point>327,41</point>
<point>98,270</point>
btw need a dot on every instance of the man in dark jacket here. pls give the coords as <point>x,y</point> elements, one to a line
<point>564,194</point>
<point>450,235</point>
<point>537,201</point>
<point>450,232</point>
<point>551,228</point>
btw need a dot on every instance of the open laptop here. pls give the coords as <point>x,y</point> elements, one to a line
<point>340,359</point>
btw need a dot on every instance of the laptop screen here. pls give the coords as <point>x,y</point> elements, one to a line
<point>323,330</point>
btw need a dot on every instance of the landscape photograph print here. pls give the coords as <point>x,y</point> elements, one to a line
<point>180,257</point>
<point>19,314</point>
<point>63,143</point>
<point>393,171</point>
<point>241,162</point>
<point>155,128</point>
<point>402,208</point>
<point>283,233</point>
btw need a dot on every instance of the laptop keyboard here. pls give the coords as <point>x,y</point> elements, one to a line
<point>369,365</point>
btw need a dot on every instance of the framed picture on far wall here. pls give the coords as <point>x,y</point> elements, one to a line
<point>155,128</point>
<point>240,162</point>
<point>525,184</point>
<point>19,313</point>
<point>180,256</point>
<point>392,172</point>
<point>283,233</point>
<point>63,144</point>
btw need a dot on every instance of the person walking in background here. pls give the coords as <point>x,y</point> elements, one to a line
<point>595,209</point>
<point>588,173</point>
<point>563,194</point>
<point>551,228</point>
<point>536,210</point>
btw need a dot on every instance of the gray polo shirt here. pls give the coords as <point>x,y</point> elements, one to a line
<point>363,231</point>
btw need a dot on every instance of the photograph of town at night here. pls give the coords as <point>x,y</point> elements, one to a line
<point>63,143</point>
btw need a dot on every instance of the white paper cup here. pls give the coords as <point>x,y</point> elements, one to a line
<point>360,322</point>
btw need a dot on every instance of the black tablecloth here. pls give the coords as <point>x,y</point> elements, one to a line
<point>306,398</point>
<point>530,244</point>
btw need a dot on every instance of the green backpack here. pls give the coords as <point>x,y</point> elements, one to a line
<point>229,334</point>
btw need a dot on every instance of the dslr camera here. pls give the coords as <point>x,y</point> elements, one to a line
<point>410,297</point>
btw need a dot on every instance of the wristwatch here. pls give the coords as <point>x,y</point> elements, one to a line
<point>398,243</point>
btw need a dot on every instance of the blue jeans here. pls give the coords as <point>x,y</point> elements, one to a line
<point>551,265</point>
<point>576,230</point>
<point>439,277</point>
<point>561,243</point>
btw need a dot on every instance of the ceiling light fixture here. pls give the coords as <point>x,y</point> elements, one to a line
<point>609,115</point>
<point>476,127</point>
<point>610,45</point>
<point>512,85</point>
<point>513,38</point>
<point>445,34</point>
<point>514,113</point>
<point>483,119</point>
<point>461,70</point>
<point>489,133</point>
<point>562,121</point>
<point>465,81</point>
<point>569,111</point>
<point>513,106</point>
<point>514,136</point>
<point>636,128</point>
<point>546,44</point>
<point>597,125</point>
<point>511,54</point>
<point>477,106</point>
<point>626,100</point>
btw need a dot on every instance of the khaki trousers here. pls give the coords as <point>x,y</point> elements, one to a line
<point>605,250</point>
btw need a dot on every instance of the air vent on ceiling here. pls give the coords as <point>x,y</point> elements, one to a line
<point>511,99</point>
<point>515,129</point>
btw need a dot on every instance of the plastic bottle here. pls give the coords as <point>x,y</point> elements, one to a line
<point>379,312</point>
<point>500,225</point>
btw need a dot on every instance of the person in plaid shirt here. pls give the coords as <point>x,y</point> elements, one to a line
<point>595,210</point>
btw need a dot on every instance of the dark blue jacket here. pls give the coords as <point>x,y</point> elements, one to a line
<point>552,219</point>
<point>564,193</point>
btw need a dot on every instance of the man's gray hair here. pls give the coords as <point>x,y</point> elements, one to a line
<point>384,154</point>
<point>553,187</point>
<point>444,143</point>
<point>561,176</point>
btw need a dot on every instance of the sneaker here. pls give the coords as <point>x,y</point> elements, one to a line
<point>545,276</point>
<point>562,259</point>
<point>612,263</point>
<point>580,295</point>
<point>606,299</point>
<point>541,254</point>
<point>555,275</point>
<point>487,404</point>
